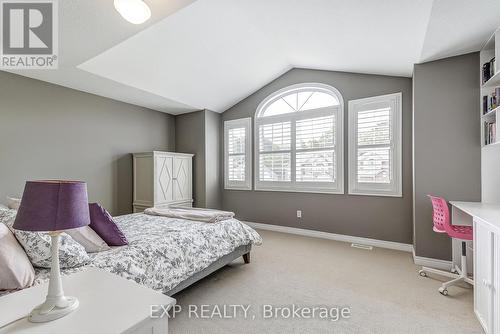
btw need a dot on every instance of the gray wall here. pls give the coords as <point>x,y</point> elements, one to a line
<point>447,153</point>
<point>190,138</point>
<point>213,135</point>
<point>199,133</point>
<point>384,218</point>
<point>48,131</point>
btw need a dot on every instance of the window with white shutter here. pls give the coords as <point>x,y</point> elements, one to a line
<point>237,154</point>
<point>298,140</point>
<point>375,146</point>
<point>275,151</point>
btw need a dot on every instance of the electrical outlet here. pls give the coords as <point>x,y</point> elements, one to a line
<point>299,213</point>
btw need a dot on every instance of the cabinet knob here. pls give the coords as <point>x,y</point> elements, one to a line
<point>487,283</point>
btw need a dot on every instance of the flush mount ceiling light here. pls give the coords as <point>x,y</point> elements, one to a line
<point>134,11</point>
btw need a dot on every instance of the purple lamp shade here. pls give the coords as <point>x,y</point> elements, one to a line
<point>53,206</point>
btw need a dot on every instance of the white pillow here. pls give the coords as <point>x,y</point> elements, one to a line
<point>7,216</point>
<point>13,203</point>
<point>87,237</point>
<point>17,271</point>
<point>37,247</point>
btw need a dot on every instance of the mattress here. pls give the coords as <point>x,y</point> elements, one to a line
<point>164,252</point>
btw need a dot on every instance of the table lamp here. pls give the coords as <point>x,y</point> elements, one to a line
<point>53,206</point>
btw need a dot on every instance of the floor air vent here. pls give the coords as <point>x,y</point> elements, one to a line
<point>360,246</point>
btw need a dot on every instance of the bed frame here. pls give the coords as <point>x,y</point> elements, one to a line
<point>243,251</point>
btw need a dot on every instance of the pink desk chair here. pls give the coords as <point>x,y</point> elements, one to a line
<point>442,224</point>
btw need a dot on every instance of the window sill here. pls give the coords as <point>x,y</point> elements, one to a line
<point>310,191</point>
<point>238,188</point>
<point>368,193</point>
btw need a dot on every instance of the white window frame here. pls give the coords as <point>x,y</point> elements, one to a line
<point>234,124</point>
<point>336,187</point>
<point>394,188</point>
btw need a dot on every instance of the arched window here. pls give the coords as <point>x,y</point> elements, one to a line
<point>298,140</point>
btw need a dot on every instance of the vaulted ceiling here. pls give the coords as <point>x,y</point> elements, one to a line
<point>197,54</point>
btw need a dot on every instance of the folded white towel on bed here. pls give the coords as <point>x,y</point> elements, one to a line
<point>201,215</point>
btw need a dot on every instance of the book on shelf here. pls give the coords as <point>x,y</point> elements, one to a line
<point>491,102</point>
<point>489,70</point>
<point>490,133</point>
<point>486,72</point>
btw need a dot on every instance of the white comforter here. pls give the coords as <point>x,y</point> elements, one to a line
<point>163,252</point>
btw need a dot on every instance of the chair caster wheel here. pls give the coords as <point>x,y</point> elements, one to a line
<point>422,273</point>
<point>443,291</point>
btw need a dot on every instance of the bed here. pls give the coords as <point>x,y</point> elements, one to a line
<point>167,254</point>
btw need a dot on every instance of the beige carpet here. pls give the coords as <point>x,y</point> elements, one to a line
<point>381,287</point>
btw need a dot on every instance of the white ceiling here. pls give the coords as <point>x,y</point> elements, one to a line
<point>458,27</point>
<point>213,53</point>
<point>89,27</point>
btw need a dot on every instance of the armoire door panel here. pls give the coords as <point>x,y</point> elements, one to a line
<point>181,180</point>
<point>164,179</point>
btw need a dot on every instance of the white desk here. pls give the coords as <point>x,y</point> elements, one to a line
<point>463,213</point>
<point>488,213</point>
<point>108,304</point>
<point>486,244</point>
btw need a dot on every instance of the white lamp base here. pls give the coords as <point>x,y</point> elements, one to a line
<point>56,305</point>
<point>48,311</point>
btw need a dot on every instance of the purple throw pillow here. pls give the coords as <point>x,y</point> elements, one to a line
<point>102,223</point>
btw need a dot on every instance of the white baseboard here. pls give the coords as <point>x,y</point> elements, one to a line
<point>431,263</point>
<point>332,236</point>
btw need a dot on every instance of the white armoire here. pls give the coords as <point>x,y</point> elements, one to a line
<point>162,179</point>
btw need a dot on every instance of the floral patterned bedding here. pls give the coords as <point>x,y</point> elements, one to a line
<point>163,252</point>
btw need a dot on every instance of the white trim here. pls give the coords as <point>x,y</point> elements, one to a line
<point>309,86</point>
<point>300,190</point>
<point>152,153</point>
<point>393,189</point>
<point>431,263</point>
<point>245,123</point>
<point>333,236</point>
<point>336,187</point>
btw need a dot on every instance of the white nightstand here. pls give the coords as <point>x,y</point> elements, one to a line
<point>108,304</point>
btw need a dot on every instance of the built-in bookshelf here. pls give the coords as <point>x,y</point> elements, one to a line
<point>490,118</point>
<point>490,90</point>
